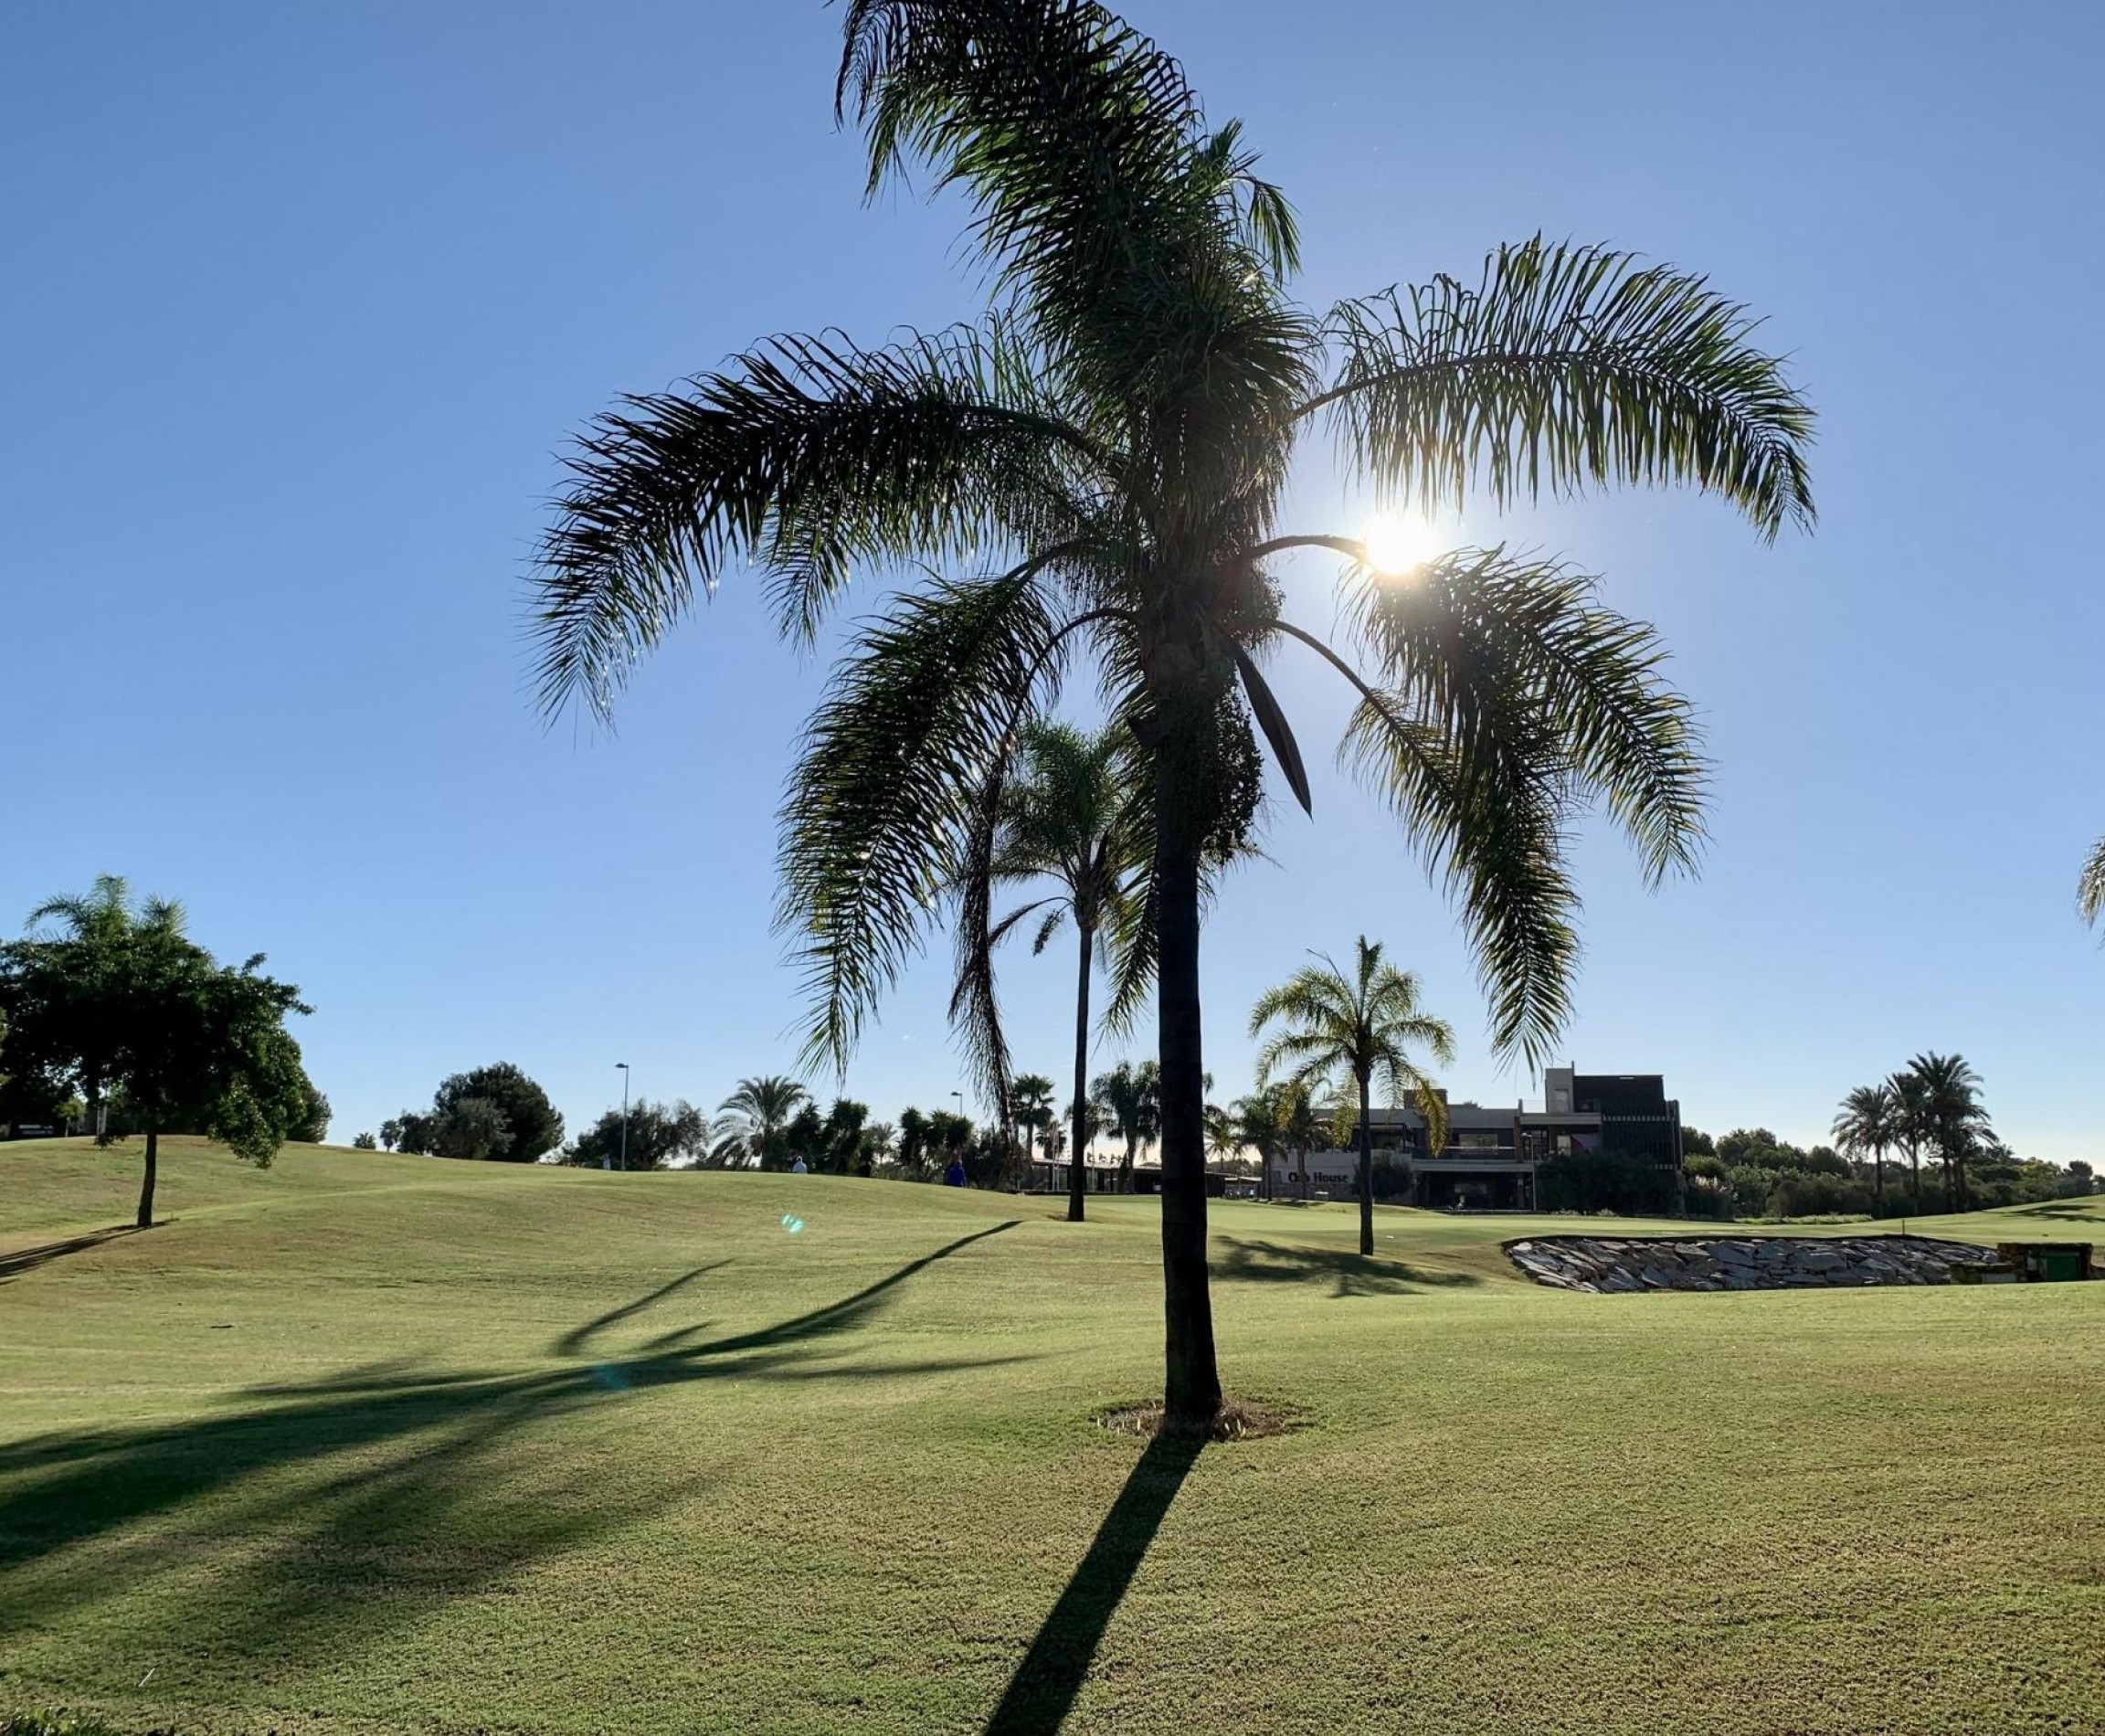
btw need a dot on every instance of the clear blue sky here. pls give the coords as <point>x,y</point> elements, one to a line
<point>299,304</point>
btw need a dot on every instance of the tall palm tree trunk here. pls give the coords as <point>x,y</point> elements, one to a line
<point>1878,1178</point>
<point>145,1219</point>
<point>1077,1171</point>
<point>1193,1384</point>
<point>1366,1170</point>
<point>1915,1176</point>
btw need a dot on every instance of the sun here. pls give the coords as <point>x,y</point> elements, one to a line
<point>1397,543</point>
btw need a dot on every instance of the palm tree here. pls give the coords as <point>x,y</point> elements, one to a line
<point>1254,1120</point>
<point>1128,1102</point>
<point>765,1105</point>
<point>1952,1110</point>
<point>1067,816</point>
<point>1911,1127</point>
<point>1272,1120</point>
<point>1869,1120</point>
<point>2091,888</point>
<point>1031,1096</point>
<point>1355,1027</point>
<point>98,927</point>
<point>1099,465</point>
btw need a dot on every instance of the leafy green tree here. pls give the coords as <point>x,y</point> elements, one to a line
<point>1695,1143</point>
<point>1869,1122</point>
<point>836,1143</point>
<point>1128,1102</point>
<point>660,1136</point>
<point>1356,1027</point>
<point>310,1127</point>
<point>1118,435</point>
<point>764,1106</point>
<point>121,1004</point>
<point>68,1035</point>
<point>472,1127</point>
<point>533,1125</point>
<point>914,1145</point>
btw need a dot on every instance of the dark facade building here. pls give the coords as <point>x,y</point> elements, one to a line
<point>1490,1160</point>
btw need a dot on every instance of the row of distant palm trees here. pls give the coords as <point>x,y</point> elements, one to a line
<point>1932,1104</point>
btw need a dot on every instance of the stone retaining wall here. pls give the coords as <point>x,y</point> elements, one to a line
<point>1628,1264</point>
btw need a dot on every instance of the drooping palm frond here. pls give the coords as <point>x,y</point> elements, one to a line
<point>1493,835</point>
<point>2090,887</point>
<point>808,455</point>
<point>1487,643</point>
<point>877,816</point>
<point>1565,368</point>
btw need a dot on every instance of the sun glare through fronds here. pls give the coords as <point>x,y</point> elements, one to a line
<point>1397,543</point>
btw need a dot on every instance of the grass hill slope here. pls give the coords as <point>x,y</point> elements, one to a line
<point>372,1443</point>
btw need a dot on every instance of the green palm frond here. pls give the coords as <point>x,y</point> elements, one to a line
<point>1494,646</point>
<point>2091,888</point>
<point>807,456</point>
<point>877,818</point>
<point>1136,248</point>
<point>1495,842</point>
<point>1565,368</point>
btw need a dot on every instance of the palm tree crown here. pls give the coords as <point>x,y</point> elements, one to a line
<point>1097,466</point>
<point>765,1105</point>
<point>1870,1121</point>
<point>1353,1030</point>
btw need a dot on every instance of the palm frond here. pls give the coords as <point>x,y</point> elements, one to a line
<point>1139,251</point>
<point>806,455</point>
<point>2090,887</point>
<point>1567,367</point>
<point>877,818</point>
<point>1492,644</point>
<point>1493,835</point>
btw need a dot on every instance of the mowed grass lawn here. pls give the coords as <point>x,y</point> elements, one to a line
<point>372,1443</point>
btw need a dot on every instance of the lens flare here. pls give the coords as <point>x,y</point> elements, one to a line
<point>1397,545</point>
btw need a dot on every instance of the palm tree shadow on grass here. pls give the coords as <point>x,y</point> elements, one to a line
<point>1351,1273</point>
<point>28,1259</point>
<point>1044,1689</point>
<point>421,1487</point>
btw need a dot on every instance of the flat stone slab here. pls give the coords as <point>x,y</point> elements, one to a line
<point>1624,1264</point>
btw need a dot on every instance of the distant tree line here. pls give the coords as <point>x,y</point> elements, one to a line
<point>492,1112</point>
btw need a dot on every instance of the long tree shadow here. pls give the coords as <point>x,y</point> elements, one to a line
<point>28,1259</point>
<point>1349,1274</point>
<point>2078,1210</point>
<point>423,1498</point>
<point>578,1336</point>
<point>1042,1691</point>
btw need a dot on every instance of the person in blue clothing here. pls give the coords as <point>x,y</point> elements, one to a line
<point>953,1177</point>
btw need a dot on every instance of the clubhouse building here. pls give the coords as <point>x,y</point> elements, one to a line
<point>1490,1160</point>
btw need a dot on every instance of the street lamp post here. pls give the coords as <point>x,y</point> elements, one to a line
<point>623,1066</point>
